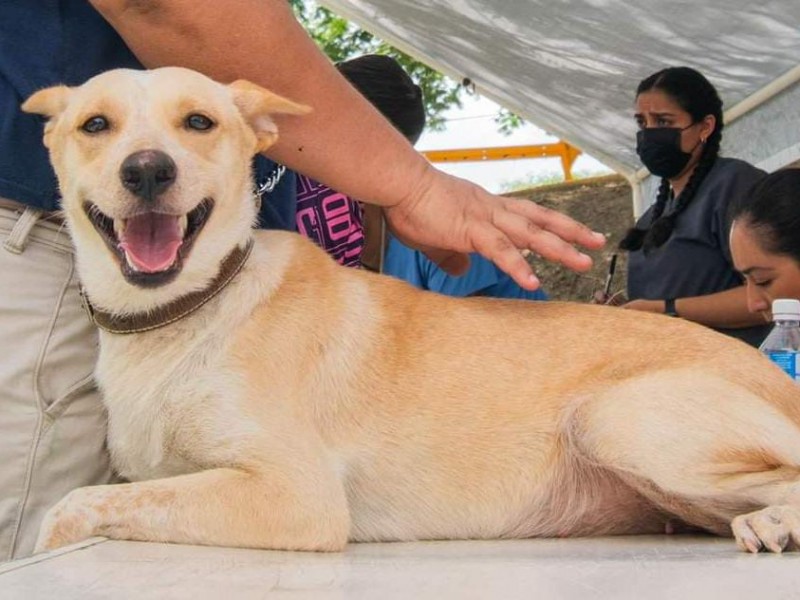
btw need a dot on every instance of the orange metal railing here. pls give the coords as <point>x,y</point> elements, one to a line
<point>561,149</point>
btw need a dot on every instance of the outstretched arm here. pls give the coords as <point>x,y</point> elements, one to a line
<point>345,142</point>
<point>722,310</point>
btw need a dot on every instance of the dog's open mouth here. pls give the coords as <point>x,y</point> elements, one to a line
<point>150,246</point>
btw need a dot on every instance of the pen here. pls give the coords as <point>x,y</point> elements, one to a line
<point>612,266</point>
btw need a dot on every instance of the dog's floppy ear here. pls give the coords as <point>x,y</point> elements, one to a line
<point>49,102</point>
<point>257,104</point>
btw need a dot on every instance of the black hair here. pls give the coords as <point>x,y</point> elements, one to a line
<point>694,94</point>
<point>388,87</point>
<point>772,211</point>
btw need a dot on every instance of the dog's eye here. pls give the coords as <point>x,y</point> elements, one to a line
<point>199,122</point>
<point>95,124</point>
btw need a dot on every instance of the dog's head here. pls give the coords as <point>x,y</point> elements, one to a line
<point>154,169</point>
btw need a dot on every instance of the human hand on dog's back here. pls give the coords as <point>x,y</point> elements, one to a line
<point>345,143</point>
<point>467,218</point>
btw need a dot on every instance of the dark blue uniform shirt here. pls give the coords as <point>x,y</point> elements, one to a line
<point>49,42</point>
<point>696,259</point>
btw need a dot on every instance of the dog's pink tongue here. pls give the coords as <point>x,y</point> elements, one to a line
<point>151,241</point>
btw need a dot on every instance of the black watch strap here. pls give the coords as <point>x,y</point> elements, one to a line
<point>669,307</point>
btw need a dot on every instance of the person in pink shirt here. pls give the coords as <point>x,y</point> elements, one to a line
<point>332,219</point>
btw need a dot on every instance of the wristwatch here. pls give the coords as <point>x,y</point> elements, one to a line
<point>669,308</point>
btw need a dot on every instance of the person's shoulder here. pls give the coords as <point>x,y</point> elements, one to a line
<point>733,175</point>
<point>730,179</point>
<point>726,167</point>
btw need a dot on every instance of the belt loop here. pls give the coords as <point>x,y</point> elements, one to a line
<point>18,238</point>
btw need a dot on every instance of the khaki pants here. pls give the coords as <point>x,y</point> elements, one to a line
<point>52,422</point>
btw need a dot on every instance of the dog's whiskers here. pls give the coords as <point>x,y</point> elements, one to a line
<point>95,212</point>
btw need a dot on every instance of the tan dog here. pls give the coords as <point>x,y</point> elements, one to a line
<point>290,403</point>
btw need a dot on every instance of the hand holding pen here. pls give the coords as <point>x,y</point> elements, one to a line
<point>605,296</point>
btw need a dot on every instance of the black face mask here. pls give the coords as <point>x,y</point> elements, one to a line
<point>659,149</point>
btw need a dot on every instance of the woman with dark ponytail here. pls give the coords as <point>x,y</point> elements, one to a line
<point>679,257</point>
<point>765,240</point>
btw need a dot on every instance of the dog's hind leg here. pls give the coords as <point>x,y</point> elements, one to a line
<point>221,507</point>
<point>703,449</point>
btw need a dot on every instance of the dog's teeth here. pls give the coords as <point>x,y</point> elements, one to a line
<point>119,227</point>
<point>183,223</point>
<point>130,263</point>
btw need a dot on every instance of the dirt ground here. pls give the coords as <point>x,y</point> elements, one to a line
<point>604,204</point>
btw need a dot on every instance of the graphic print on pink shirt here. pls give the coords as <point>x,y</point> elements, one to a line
<point>333,220</point>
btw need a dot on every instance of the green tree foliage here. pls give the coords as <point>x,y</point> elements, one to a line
<point>340,40</point>
<point>507,121</point>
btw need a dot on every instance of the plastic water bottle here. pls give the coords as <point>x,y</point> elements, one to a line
<point>782,345</point>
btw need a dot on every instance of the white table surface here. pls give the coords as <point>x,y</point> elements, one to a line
<point>641,567</point>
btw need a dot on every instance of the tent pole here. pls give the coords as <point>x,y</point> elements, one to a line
<point>763,95</point>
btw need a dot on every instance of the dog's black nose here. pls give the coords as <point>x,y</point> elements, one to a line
<point>148,173</point>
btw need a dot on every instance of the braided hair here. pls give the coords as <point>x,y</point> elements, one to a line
<point>694,94</point>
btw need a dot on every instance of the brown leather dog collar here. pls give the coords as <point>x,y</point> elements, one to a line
<point>175,310</point>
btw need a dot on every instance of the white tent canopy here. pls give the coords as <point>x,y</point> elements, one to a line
<point>571,67</point>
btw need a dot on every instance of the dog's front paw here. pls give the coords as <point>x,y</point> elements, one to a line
<point>774,529</point>
<point>72,520</point>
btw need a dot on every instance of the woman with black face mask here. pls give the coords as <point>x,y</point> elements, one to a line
<point>679,256</point>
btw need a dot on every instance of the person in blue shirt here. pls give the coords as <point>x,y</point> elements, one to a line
<point>483,278</point>
<point>384,82</point>
<point>52,423</point>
